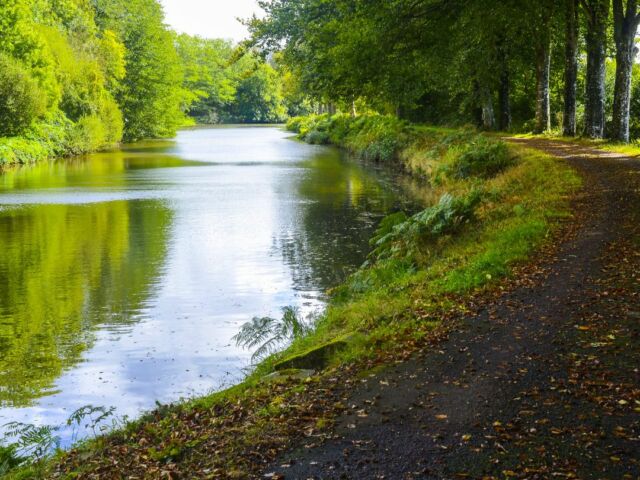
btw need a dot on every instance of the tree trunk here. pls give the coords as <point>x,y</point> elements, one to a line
<point>625,27</point>
<point>488,114</point>
<point>504,93</point>
<point>570,69</point>
<point>543,104</point>
<point>597,15</point>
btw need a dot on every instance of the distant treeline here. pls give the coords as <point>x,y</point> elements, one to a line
<point>82,75</point>
<point>534,65</point>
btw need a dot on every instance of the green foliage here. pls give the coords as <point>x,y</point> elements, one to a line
<point>210,76</point>
<point>266,335</point>
<point>409,237</point>
<point>21,99</point>
<point>378,138</point>
<point>317,137</point>
<point>22,151</point>
<point>440,62</point>
<point>259,98</point>
<point>35,442</point>
<point>25,447</point>
<point>369,137</point>
<point>151,95</point>
<point>233,84</point>
<point>9,458</point>
<point>479,157</point>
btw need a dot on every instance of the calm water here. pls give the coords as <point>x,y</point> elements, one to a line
<point>124,275</point>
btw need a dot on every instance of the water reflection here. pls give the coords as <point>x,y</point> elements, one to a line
<point>65,270</point>
<point>124,275</point>
<point>344,204</point>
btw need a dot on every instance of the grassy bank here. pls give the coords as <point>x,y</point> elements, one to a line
<point>492,205</point>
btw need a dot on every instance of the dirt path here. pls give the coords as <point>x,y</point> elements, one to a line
<point>543,383</point>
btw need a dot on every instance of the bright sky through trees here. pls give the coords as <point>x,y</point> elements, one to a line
<point>210,18</point>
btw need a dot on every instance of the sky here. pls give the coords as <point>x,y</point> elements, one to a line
<point>210,18</point>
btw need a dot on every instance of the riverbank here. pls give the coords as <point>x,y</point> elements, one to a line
<point>493,205</point>
<point>59,137</point>
<point>540,381</point>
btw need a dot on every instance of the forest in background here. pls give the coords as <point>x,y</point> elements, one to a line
<point>512,65</point>
<point>82,75</point>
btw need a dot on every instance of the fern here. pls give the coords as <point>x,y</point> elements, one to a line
<point>401,237</point>
<point>33,441</point>
<point>94,417</point>
<point>267,334</point>
<point>9,458</point>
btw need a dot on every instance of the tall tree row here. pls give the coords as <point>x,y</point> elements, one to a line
<point>498,63</point>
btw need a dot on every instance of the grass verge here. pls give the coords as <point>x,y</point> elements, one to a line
<point>493,205</point>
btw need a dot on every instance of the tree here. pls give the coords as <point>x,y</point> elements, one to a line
<point>259,98</point>
<point>21,100</point>
<point>625,23</point>
<point>542,33</point>
<point>570,67</point>
<point>151,95</point>
<point>209,76</point>
<point>597,16</point>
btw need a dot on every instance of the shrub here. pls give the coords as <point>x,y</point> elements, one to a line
<point>111,118</point>
<point>483,158</point>
<point>18,150</point>
<point>377,137</point>
<point>88,135</point>
<point>316,137</point>
<point>399,237</point>
<point>294,124</point>
<point>21,99</point>
<point>370,137</point>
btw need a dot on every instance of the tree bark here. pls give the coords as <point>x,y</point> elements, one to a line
<point>543,104</point>
<point>597,13</point>
<point>570,69</point>
<point>625,28</point>
<point>488,114</point>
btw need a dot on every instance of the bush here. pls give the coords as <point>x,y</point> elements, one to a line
<point>316,137</point>
<point>401,237</point>
<point>370,137</point>
<point>21,99</point>
<point>294,124</point>
<point>18,150</point>
<point>88,135</point>
<point>57,136</point>
<point>483,158</point>
<point>378,137</point>
<point>111,118</point>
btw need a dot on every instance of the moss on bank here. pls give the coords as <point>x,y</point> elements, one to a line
<point>493,205</point>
